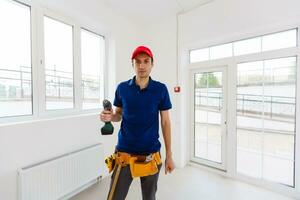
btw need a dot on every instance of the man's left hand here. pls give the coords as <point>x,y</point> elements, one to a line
<point>169,165</point>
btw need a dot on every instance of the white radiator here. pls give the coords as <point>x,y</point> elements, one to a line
<point>63,176</point>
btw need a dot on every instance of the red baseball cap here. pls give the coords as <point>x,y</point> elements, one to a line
<point>141,49</point>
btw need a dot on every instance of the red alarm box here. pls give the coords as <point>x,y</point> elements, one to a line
<point>177,89</point>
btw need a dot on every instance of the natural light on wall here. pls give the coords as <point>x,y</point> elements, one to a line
<point>92,64</point>
<point>15,62</point>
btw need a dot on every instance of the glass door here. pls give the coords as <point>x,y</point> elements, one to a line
<point>209,117</point>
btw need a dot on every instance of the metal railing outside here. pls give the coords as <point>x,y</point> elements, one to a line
<point>59,84</point>
<point>20,84</point>
<point>250,104</point>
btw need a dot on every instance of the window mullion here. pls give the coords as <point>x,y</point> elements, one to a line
<point>77,69</point>
<point>41,86</point>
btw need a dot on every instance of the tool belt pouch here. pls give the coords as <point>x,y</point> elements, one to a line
<point>140,169</point>
<point>110,162</point>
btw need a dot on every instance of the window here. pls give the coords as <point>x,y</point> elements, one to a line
<point>266,103</point>
<point>92,63</point>
<point>21,95</point>
<point>15,62</point>
<point>281,40</point>
<point>208,97</point>
<point>248,46</point>
<point>58,41</point>
<point>199,55</point>
<point>221,51</point>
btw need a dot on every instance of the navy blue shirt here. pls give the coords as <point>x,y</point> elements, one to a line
<point>139,130</point>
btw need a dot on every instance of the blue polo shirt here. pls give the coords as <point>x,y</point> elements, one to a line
<point>139,131</point>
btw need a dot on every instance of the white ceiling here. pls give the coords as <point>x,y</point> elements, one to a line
<point>149,11</point>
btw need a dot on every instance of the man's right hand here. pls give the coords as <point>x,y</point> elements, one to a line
<point>106,115</point>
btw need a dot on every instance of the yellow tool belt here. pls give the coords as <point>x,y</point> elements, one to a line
<point>140,165</point>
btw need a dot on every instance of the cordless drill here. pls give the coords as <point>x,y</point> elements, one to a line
<point>108,128</point>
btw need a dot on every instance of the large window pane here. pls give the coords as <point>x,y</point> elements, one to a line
<point>279,40</point>
<point>247,46</point>
<point>208,105</point>
<point>221,51</point>
<point>284,39</point>
<point>199,55</point>
<point>15,61</point>
<point>92,62</point>
<point>266,104</point>
<point>58,40</point>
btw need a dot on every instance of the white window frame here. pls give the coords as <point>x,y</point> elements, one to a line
<point>42,91</point>
<point>26,116</point>
<point>38,74</point>
<point>104,68</point>
<point>222,165</point>
<point>231,101</point>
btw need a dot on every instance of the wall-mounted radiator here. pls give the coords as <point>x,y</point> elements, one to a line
<point>63,176</point>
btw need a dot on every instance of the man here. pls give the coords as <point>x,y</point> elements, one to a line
<point>138,102</point>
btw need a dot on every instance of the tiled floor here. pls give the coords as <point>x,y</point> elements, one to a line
<point>189,183</point>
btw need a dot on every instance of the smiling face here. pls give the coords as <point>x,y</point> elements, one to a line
<point>142,65</point>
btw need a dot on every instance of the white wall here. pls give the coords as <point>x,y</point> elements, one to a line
<point>222,21</point>
<point>27,143</point>
<point>22,144</point>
